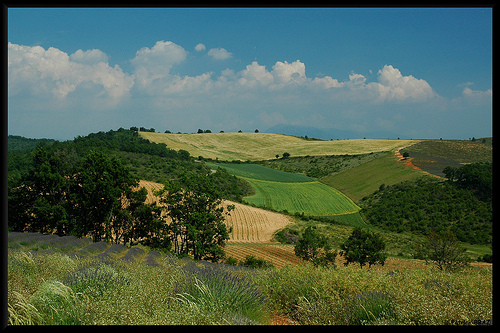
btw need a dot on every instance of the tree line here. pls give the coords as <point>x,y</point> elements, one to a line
<point>75,188</point>
<point>146,160</point>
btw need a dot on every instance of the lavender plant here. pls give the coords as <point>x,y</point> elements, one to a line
<point>215,288</point>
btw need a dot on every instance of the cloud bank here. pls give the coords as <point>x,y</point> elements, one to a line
<point>56,86</point>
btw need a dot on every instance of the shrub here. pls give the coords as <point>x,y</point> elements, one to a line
<point>254,262</point>
<point>369,307</point>
<point>94,278</point>
<point>443,250</point>
<point>57,304</point>
<point>211,288</point>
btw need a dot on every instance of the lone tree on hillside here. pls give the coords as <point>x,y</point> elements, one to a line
<point>363,247</point>
<point>314,247</point>
<point>443,250</point>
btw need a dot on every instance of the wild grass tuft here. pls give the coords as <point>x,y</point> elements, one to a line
<point>213,288</point>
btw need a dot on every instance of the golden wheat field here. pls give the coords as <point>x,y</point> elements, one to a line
<point>264,146</point>
<point>250,224</point>
<point>254,225</point>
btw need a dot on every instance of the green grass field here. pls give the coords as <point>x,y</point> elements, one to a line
<point>294,193</point>
<point>366,178</point>
<point>265,146</point>
<point>312,198</point>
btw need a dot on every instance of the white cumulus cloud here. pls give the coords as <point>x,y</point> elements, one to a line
<point>200,47</point>
<point>219,54</point>
<point>34,71</point>
<point>155,64</point>
<point>94,56</point>
<point>285,72</point>
<point>469,93</point>
<point>404,87</point>
<point>255,74</point>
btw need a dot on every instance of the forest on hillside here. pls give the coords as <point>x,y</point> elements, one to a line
<point>462,205</point>
<point>144,159</point>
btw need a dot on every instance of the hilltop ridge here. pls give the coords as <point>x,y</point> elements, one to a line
<point>264,146</point>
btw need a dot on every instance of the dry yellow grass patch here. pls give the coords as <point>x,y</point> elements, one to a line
<point>263,146</point>
<point>254,225</point>
<point>150,187</point>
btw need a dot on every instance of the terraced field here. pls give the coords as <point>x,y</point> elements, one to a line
<point>265,146</point>
<point>278,254</point>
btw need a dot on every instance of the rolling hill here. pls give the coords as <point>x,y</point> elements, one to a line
<point>265,146</point>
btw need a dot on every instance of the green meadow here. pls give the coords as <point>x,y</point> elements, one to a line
<point>312,198</point>
<point>289,192</point>
<point>366,178</point>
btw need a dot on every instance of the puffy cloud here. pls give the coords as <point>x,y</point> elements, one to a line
<point>94,56</point>
<point>404,87</point>
<point>326,82</point>
<point>35,71</point>
<point>285,72</point>
<point>469,93</point>
<point>40,78</point>
<point>160,58</point>
<point>255,74</point>
<point>219,54</point>
<point>357,79</point>
<point>200,47</point>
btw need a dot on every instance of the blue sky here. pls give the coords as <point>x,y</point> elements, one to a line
<point>423,73</point>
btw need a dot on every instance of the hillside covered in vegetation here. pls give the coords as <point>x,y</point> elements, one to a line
<point>146,160</point>
<point>427,204</point>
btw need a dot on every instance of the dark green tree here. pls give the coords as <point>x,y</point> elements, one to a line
<point>196,225</point>
<point>314,247</point>
<point>38,200</point>
<point>363,247</point>
<point>100,186</point>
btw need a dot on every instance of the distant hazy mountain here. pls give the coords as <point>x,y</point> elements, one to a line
<point>329,134</point>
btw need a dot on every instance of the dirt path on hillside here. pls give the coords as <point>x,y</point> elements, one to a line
<point>407,161</point>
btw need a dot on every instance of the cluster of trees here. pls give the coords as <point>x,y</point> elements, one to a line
<point>96,195</point>
<point>441,249</point>
<point>475,177</point>
<point>362,247</point>
<point>426,205</point>
<point>145,160</point>
<point>90,197</point>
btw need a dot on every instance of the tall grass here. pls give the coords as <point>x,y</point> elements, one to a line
<point>57,289</point>
<point>350,295</point>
